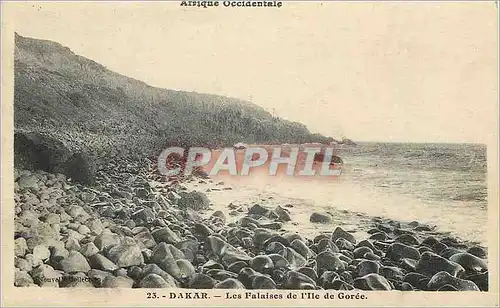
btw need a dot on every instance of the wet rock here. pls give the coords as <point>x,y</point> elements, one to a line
<point>407,239</point>
<point>398,251</point>
<point>320,218</point>
<point>366,267</point>
<point>237,266</point>
<point>379,236</point>
<point>97,277</point>
<point>45,276</point>
<point>125,255</point>
<point>20,247</point>
<point>430,264</point>
<point>100,262</point>
<point>443,278</point>
<point>75,262</point>
<point>283,214</point>
<point>469,262</point>
<point>117,282</point>
<point>22,279</point>
<point>418,281</point>
<point>166,235</point>
<point>477,251</point>
<point>481,280</point>
<point>23,264</point>
<point>262,264</point>
<point>430,241</point>
<point>341,233</point>
<point>373,282</point>
<point>277,238</point>
<point>40,254</point>
<point>392,272</point>
<point>302,248</point>
<point>202,230</point>
<point>145,239</point>
<point>106,240</point>
<point>155,269</point>
<point>297,281</point>
<point>229,283</point>
<point>261,282</point>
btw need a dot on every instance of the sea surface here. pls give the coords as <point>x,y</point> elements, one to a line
<point>444,185</point>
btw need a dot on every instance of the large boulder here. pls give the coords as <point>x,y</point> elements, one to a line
<point>194,200</point>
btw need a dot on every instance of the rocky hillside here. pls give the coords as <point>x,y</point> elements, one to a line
<point>91,107</point>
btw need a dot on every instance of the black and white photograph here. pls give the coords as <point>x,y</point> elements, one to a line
<point>250,153</point>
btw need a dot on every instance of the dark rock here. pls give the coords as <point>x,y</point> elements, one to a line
<point>477,251</point>
<point>155,269</point>
<point>106,240</point>
<point>262,264</point>
<point>194,200</point>
<point>283,214</point>
<point>418,281</point>
<point>125,255</point>
<point>279,261</point>
<point>117,282</point>
<point>481,280</point>
<point>372,282</point>
<point>341,233</point>
<point>366,267</point>
<point>277,238</point>
<point>310,272</point>
<point>326,244</point>
<point>22,279</point>
<point>430,264</point>
<point>361,251</point>
<point>166,235</point>
<point>320,218</point>
<point>328,261</point>
<point>237,266</point>
<point>408,264</point>
<point>407,239</point>
<point>397,251</point>
<point>392,272</point>
<point>438,247</point>
<point>246,276</point>
<point>297,281</point>
<point>259,210</point>
<point>379,236</point>
<point>100,262</point>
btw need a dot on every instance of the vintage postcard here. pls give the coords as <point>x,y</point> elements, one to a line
<point>249,153</point>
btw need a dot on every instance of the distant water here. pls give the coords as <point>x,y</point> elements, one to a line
<point>439,184</point>
<point>429,172</point>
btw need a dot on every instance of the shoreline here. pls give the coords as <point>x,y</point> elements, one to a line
<point>132,229</point>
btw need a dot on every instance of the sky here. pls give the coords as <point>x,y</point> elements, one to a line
<point>369,71</point>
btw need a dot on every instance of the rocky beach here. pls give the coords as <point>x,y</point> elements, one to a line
<point>92,210</point>
<point>135,229</point>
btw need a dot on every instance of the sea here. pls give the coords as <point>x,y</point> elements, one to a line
<point>443,185</point>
